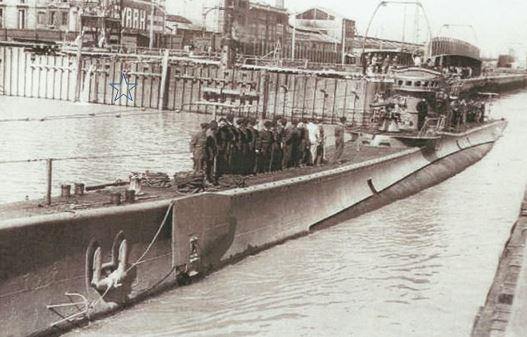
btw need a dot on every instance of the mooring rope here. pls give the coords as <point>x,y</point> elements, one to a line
<point>154,239</point>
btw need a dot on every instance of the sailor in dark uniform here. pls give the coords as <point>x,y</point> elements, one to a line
<point>277,154</point>
<point>422,112</point>
<point>292,145</point>
<point>303,155</point>
<point>223,137</point>
<point>233,143</point>
<point>241,159</point>
<point>265,147</point>
<point>254,134</point>
<point>211,152</point>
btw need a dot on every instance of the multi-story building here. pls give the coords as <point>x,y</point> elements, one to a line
<point>258,28</point>
<point>326,22</point>
<point>18,14</point>
<point>336,28</point>
<point>37,19</point>
<point>264,29</point>
<point>142,18</point>
<point>58,19</point>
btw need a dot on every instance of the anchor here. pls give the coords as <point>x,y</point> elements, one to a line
<point>110,275</point>
<point>116,277</point>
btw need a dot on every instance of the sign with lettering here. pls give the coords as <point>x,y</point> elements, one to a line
<point>135,14</point>
<point>133,18</point>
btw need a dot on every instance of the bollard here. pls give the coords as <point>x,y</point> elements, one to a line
<point>115,198</point>
<point>78,188</point>
<point>65,190</point>
<point>135,184</point>
<point>129,196</point>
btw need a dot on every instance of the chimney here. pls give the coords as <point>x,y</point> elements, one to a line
<point>279,3</point>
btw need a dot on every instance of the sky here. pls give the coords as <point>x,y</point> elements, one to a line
<point>498,24</point>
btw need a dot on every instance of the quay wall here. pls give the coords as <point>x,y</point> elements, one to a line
<point>247,91</point>
<point>44,257</point>
<point>494,83</point>
<point>505,308</point>
<point>174,83</point>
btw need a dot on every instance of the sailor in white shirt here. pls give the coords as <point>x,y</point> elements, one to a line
<point>312,131</point>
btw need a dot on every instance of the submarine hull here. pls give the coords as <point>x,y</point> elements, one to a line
<point>46,261</point>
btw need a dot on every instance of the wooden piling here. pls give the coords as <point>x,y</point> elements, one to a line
<point>78,80</point>
<point>265,95</point>
<point>49,165</point>
<point>334,101</point>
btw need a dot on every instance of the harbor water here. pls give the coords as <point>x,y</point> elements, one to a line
<point>113,140</point>
<point>418,267</point>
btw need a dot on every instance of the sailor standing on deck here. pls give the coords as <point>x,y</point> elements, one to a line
<point>277,154</point>
<point>339,140</point>
<point>240,161</point>
<point>320,157</point>
<point>197,148</point>
<point>223,139</point>
<point>211,153</point>
<point>280,143</point>
<point>254,134</point>
<point>303,154</point>
<point>232,143</point>
<point>291,144</point>
<point>264,147</point>
<point>312,131</point>
<point>422,112</point>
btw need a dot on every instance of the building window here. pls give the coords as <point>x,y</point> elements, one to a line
<point>21,19</point>
<point>41,18</point>
<point>52,16</point>
<point>64,18</point>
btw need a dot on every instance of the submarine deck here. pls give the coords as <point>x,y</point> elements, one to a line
<point>101,198</point>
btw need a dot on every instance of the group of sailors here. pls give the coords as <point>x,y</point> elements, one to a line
<point>457,72</point>
<point>378,64</point>
<point>246,147</point>
<point>467,111</point>
<point>463,110</point>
